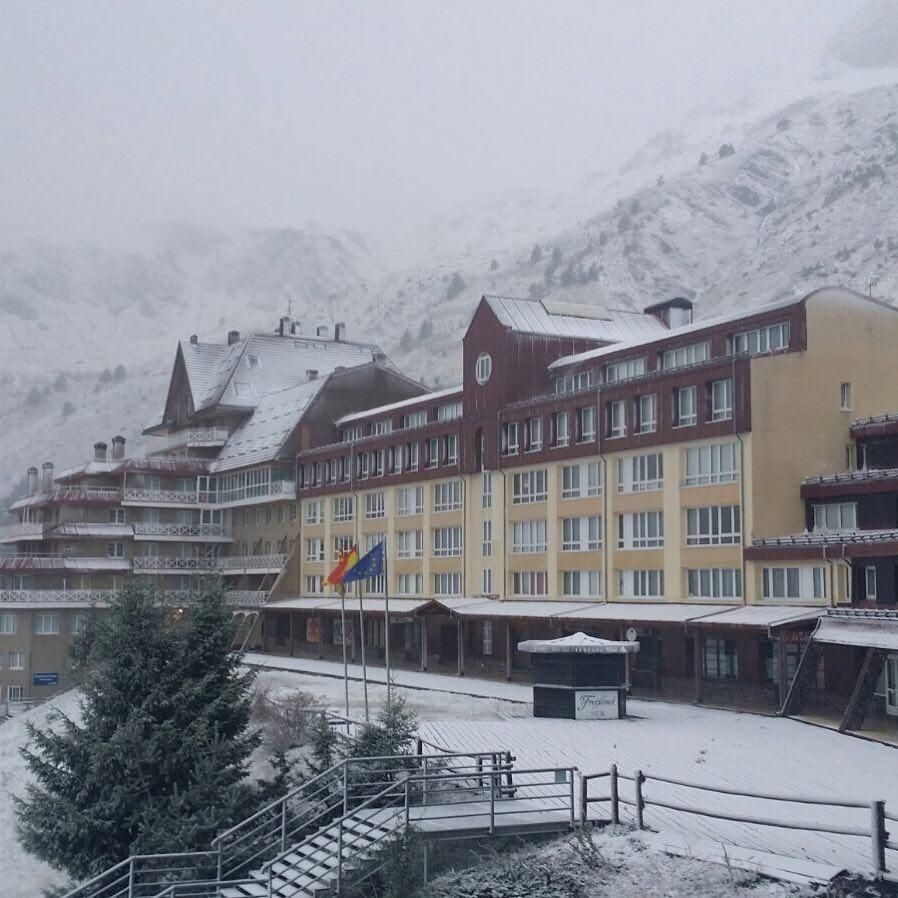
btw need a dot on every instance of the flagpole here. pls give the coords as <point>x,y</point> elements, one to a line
<point>345,663</point>
<point>387,620</point>
<point>362,638</point>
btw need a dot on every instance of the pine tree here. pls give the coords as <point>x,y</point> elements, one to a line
<point>324,746</point>
<point>159,759</point>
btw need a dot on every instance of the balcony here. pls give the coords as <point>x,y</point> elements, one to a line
<point>247,597</point>
<point>135,496</point>
<point>197,438</point>
<point>162,564</point>
<point>57,596</point>
<point>252,564</point>
<point>250,495</point>
<point>50,562</point>
<point>181,532</point>
<point>22,532</point>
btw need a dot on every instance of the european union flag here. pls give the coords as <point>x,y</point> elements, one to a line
<point>369,565</point>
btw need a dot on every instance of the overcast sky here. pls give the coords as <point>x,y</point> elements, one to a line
<point>359,114</point>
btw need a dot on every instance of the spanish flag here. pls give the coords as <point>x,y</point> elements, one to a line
<point>348,560</point>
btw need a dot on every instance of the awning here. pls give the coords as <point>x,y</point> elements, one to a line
<point>648,612</point>
<point>370,605</point>
<point>578,644</point>
<point>868,632</point>
<point>767,616</point>
<point>519,608</point>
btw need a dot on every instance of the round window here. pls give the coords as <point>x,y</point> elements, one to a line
<point>484,368</point>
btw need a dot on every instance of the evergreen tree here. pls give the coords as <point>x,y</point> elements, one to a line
<point>324,746</point>
<point>159,759</point>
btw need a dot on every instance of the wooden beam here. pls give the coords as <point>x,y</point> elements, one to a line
<point>698,666</point>
<point>862,694</point>
<point>804,678</point>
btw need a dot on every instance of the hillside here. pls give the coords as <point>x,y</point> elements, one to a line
<point>782,201</point>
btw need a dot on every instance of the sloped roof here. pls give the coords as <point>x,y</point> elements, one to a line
<point>578,644</point>
<point>402,403</point>
<point>559,319</point>
<point>202,362</point>
<point>260,437</point>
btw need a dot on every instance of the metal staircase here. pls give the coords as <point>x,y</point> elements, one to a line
<point>329,834</point>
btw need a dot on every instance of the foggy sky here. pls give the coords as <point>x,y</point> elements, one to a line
<point>368,115</point>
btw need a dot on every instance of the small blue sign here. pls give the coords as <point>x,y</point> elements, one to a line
<point>46,679</point>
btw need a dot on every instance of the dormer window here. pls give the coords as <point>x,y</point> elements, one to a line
<point>253,361</point>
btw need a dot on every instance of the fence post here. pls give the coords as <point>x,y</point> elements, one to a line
<point>573,818</point>
<point>615,801</point>
<point>419,746</point>
<point>878,836</point>
<point>131,878</point>
<point>639,779</point>
<point>218,864</point>
<point>345,788</point>
<point>283,824</point>
<point>408,780</point>
<point>584,801</point>
<point>424,770</point>
<point>493,785</point>
<point>509,776</point>
<point>339,857</point>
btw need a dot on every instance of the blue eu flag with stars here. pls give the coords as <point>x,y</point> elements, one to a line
<point>369,565</point>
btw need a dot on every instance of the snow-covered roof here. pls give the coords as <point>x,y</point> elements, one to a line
<point>329,603</point>
<point>771,616</point>
<point>518,608</point>
<point>261,437</point>
<point>578,644</point>
<point>877,630</point>
<point>695,327</point>
<point>559,319</point>
<point>820,538</point>
<point>645,612</point>
<point>202,362</point>
<point>87,469</point>
<point>99,530</point>
<point>435,396</point>
<point>854,476</point>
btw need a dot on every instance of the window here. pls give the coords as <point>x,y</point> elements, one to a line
<point>721,660</point>
<point>530,583</point>
<point>581,534</point>
<point>411,500</point>
<point>116,515</point>
<point>640,530</point>
<point>314,584</point>
<point>411,584</point>
<point>7,624</point>
<point>447,584</point>
<point>486,545</point>
<point>450,442</point>
<point>115,550</point>
<point>646,414</point>
<point>571,383</point>
<point>618,371</point>
<point>447,542</point>
<point>578,481</point>
<point>377,463</point>
<point>845,397</point>
<point>15,694</point>
<point>414,419</point>
<point>394,459</point>
<point>640,473</point>
<point>342,544</point>
<point>716,525</point>
<point>78,624</point>
<point>685,355</point>
<point>794,583</point>
<point>561,432</point>
<point>529,486</point>
<point>361,466</point>
<point>722,399</point>
<point>533,432</point>
<point>253,361</point>
<point>712,464</point>
<point>510,438</point>
<point>410,544</point>
<point>584,584</point>
<point>344,509</point>
<point>764,339</point>
<point>483,368</point>
<point>486,637</point>
<point>617,419</point>
<point>447,495</point>
<point>350,434</point>
<point>870,582</point>
<point>315,512</point>
<point>381,427</point>
<point>835,516</point>
<point>375,505</point>
<point>433,452</point>
<point>486,581</point>
<point>685,408</point>
<point>640,584</point>
<point>315,549</point>
<point>714,583</point>
<point>16,660</point>
<point>451,412</point>
<point>586,424</point>
<point>528,537</point>
<point>486,489</point>
<point>46,625</point>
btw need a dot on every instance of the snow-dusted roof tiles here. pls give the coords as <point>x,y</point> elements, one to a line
<point>436,396</point>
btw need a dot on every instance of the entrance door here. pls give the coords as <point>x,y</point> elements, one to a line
<point>892,685</point>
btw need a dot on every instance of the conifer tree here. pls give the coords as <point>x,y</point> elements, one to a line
<point>158,760</point>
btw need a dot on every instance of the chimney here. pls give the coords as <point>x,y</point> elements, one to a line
<point>100,451</point>
<point>295,328</point>
<point>47,484</point>
<point>322,331</point>
<point>233,337</point>
<point>311,373</point>
<point>284,326</point>
<point>118,447</point>
<point>194,339</point>
<point>32,480</point>
<point>676,312</point>
<point>340,331</point>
